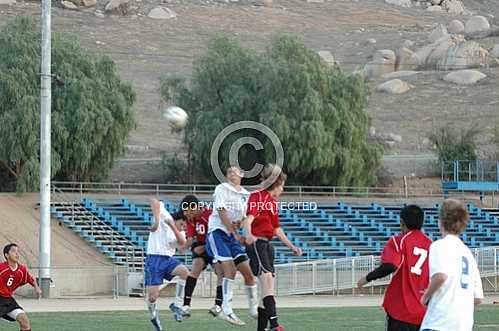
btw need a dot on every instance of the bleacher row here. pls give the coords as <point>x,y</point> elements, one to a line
<point>120,228</point>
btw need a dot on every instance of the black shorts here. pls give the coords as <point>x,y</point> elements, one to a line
<point>396,325</point>
<point>8,305</point>
<point>208,260</point>
<point>261,256</point>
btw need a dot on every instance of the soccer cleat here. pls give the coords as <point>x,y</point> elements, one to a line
<point>157,324</point>
<point>186,311</point>
<point>232,319</point>
<point>177,312</point>
<point>215,310</point>
<point>277,328</point>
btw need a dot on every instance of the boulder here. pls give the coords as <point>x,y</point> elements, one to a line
<point>476,24</point>
<point>494,52</point>
<point>395,86</point>
<point>464,77</point>
<point>161,13</point>
<point>468,54</point>
<point>383,62</point>
<point>456,27</point>
<point>117,7</point>
<point>403,59</point>
<point>401,3</point>
<point>434,8</point>
<point>89,3</point>
<point>400,74</point>
<point>69,5</point>
<point>438,33</point>
<point>327,57</point>
<point>453,7</point>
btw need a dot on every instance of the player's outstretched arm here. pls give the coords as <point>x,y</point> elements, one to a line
<point>284,239</point>
<point>156,211</point>
<point>382,271</point>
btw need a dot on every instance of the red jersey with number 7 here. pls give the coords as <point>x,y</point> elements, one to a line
<point>409,253</point>
<point>10,279</point>
<point>199,227</point>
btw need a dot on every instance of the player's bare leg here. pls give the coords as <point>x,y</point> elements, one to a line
<point>23,321</point>
<point>152,297</point>
<point>182,272</point>
<point>229,273</point>
<point>251,287</point>
<point>269,307</point>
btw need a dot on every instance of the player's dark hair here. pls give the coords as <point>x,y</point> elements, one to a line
<point>6,249</point>
<point>413,217</point>
<point>189,202</point>
<point>454,216</point>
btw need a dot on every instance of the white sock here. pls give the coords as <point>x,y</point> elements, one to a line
<point>179,293</point>
<point>227,295</point>
<point>153,310</point>
<point>252,294</point>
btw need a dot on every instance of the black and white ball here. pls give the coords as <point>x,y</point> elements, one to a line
<point>176,117</point>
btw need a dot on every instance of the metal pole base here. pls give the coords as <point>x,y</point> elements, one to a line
<point>45,286</point>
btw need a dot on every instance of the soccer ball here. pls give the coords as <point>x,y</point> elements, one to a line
<point>176,117</point>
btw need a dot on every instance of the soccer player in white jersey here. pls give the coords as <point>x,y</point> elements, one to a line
<point>165,238</point>
<point>455,284</point>
<point>223,243</point>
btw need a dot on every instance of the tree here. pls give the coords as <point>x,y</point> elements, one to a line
<point>455,144</point>
<point>318,112</point>
<point>92,112</point>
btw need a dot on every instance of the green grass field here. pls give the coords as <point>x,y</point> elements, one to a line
<point>315,319</point>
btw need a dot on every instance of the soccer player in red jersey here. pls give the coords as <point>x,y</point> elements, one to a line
<point>261,225</point>
<point>407,255</point>
<point>197,227</point>
<point>12,276</point>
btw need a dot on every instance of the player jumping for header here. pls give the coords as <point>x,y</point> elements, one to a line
<point>197,227</point>
<point>12,276</point>
<point>261,225</point>
<point>165,238</point>
<point>406,255</point>
<point>230,203</point>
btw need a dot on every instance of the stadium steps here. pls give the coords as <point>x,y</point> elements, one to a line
<point>96,232</point>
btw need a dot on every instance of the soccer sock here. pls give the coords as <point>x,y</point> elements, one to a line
<point>190,284</point>
<point>227,295</point>
<point>219,297</point>
<point>262,319</point>
<point>252,294</point>
<point>269,303</point>
<point>153,310</point>
<point>179,295</point>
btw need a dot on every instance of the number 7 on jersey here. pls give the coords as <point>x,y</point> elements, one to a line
<point>423,254</point>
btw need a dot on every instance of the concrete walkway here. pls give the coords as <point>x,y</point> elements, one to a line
<point>126,303</point>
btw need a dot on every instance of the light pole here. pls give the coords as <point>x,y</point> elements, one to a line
<point>45,146</point>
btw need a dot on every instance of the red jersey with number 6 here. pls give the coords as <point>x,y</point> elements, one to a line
<point>199,226</point>
<point>10,279</point>
<point>409,252</point>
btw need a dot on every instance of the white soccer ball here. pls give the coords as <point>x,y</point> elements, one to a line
<point>176,117</point>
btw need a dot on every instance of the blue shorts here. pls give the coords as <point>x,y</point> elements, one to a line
<point>223,247</point>
<point>158,268</point>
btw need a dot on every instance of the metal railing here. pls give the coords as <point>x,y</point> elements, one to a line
<point>338,275</point>
<point>134,255</point>
<point>470,171</point>
<point>121,188</point>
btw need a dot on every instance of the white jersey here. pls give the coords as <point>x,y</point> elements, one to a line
<point>233,201</point>
<point>451,307</point>
<point>163,240</point>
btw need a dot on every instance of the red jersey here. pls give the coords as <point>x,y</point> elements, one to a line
<point>10,279</point>
<point>198,227</point>
<point>266,212</point>
<point>409,253</point>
